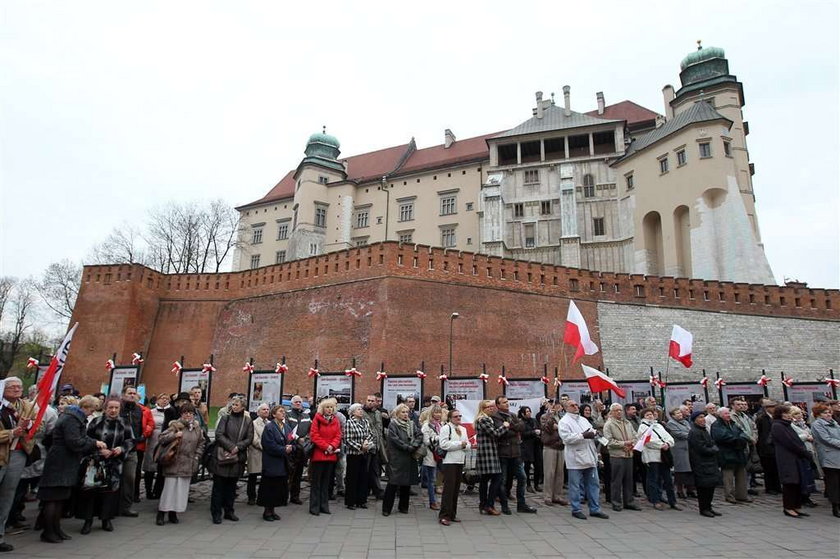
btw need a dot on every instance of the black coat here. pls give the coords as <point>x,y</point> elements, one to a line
<point>703,455</point>
<point>275,459</point>
<point>790,450</point>
<point>403,469</point>
<point>732,442</point>
<point>70,444</point>
<point>764,445</point>
<point>509,441</point>
<point>528,446</point>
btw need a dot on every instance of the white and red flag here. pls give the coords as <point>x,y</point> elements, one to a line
<point>644,439</point>
<point>599,382</point>
<point>577,334</point>
<point>680,347</point>
<point>32,363</point>
<point>47,384</point>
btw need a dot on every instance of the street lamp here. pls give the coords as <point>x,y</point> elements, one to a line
<point>384,188</point>
<point>452,318</point>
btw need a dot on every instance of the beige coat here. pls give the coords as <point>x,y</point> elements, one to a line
<point>255,449</point>
<point>24,409</point>
<point>189,450</point>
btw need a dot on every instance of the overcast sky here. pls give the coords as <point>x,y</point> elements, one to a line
<point>109,108</point>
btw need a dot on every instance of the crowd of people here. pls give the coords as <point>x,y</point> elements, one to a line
<point>91,453</point>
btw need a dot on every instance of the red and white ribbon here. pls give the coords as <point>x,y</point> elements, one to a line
<point>502,380</point>
<point>484,376</point>
<point>381,375</point>
<point>176,367</point>
<point>248,368</point>
<point>352,372</point>
<point>136,359</point>
<point>704,382</point>
<point>313,372</point>
<point>208,368</point>
<point>787,381</point>
<point>443,376</point>
<point>832,382</point>
<point>557,382</point>
<point>109,364</point>
<point>420,374</point>
<point>656,381</point>
<point>719,383</point>
<point>764,380</point>
<point>32,363</point>
<point>281,368</point>
<point>545,380</point>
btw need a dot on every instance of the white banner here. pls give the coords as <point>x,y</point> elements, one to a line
<point>469,408</point>
<point>122,377</point>
<point>676,394</point>
<point>520,389</point>
<point>264,388</point>
<point>462,389</point>
<point>396,389</point>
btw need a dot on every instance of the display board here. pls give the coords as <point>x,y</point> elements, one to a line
<point>677,392</point>
<point>467,388</point>
<point>636,391</point>
<point>525,388</point>
<point>806,394</point>
<point>335,385</point>
<point>751,391</point>
<point>577,390</point>
<point>190,378</point>
<point>395,389</point>
<point>122,376</point>
<point>264,387</point>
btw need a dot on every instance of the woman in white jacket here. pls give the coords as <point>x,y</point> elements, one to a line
<point>430,427</point>
<point>656,442</point>
<point>453,439</point>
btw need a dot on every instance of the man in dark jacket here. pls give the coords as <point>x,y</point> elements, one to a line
<point>732,443</point>
<point>132,415</point>
<point>300,421</point>
<point>765,448</point>
<point>509,456</point>
<point>374,418</point>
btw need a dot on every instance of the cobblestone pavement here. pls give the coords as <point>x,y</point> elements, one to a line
<point>751,530</point>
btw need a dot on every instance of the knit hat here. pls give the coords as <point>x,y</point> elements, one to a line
<point>697,414</point>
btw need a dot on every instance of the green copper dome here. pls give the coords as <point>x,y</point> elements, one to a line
<point>324,138</point>
<point>700,55</point>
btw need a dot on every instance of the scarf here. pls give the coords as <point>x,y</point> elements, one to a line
<point>406,424</point>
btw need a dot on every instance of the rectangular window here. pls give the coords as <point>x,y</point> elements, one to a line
<point>705,150</point>
<point>313,249</point>
<point>362,217</point>
<point>663,165</point>
<point>255,261</point>
<point>598,226</point>
<point>518,210</point>
<point>447,237</point>
<point>448,205</point>
<point>629,179</point>
<point>323,180</point>
<point>257,236</point>
<point>407,211</point>
<point>280,257</point>
<point>727,148</point>
<point>283,232</point>
<point>532,176</point>
<point>681,158</point>
<point>545,207</point>
<point>406,237</point>
<point>361,242</point>
<point>320,216</point>
<point>529,235</point>
<point>469,206</point>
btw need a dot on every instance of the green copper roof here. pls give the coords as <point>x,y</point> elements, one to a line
<point>701,54</point>
<point>324,138</point>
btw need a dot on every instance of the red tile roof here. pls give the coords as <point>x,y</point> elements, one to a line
<point>462,151</point>
<point>626,110</point>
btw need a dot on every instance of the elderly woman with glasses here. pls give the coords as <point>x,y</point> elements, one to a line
<point>359,444</point>
<point>178,472</point>
<point>454,441</point>
<point>234,434</point>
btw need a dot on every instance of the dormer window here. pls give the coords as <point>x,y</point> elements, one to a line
<point>323,180</point>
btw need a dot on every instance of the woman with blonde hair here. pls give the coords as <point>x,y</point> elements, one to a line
<point>453,441</point>
<point>255,451</point>
<point>325,434</point>
<point>487,463</point>
<point>430,420</point>
<point>403,439</point>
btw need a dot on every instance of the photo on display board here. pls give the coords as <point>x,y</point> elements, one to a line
<point>396,389</point>
<point>523,389</point>
<point>192,378</point>
<point>264,387</point>
<point>751,392</point>
<point>455,389</point>
<point>805,396</point>
<point>337,385</point>
<point>122,377</point>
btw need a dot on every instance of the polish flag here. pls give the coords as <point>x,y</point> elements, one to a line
<point>47,384</point>
<point>680,348</point>
<point>577,334</point>
<point>598,381</point>
<point>645,439</point>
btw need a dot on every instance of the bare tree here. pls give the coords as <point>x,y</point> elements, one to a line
<point>21,305</point>
<point>6,286</point>
<point>59,287</point>
<point>122,246</point>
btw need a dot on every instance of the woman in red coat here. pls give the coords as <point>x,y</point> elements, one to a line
<point>326,436</point>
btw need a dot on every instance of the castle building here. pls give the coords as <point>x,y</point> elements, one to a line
<point>616,189</point>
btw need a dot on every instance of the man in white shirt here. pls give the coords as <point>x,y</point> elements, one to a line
<point>581,461</point>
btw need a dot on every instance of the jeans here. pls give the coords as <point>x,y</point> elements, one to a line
<point>513,467</point>
<point>427,478</point>
<point>659,478</point>
<point>9,479</point>
<point>584,482</point>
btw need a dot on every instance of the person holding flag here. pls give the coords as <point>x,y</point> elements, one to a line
<point>578,436</point>
<point>655,444</point>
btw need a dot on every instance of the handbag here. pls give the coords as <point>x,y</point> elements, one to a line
<point>94,475</point>
<point>307,446</point>
<point>223,458</point>
<point>665,455</point>
<point>164,455</point>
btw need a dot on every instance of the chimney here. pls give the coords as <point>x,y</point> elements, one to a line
<point>566,102</point>
<point>668,96</point>
<point>448,138</point>
<point>660,120</point>
<point>600,97</point>
<point>539,95</point>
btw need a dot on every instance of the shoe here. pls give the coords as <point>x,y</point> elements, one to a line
<point>773,492</point>
<point>676,507</point>
<point>173,517</point>
<point>750,501</point>
<point>752,492</point>
<point>716,513</point>
<point>659,506</point>
<point>632,507</point>
<point>538,488</point>
<point>137,498</point>
<point>217,520</point>
<point>810,504</point>
<point>491,511</point>
<point>107,525</point>
<point>340,493</point>
<point>454,520</point>
<point>506,512</point>
<point>444,521</point>
<point>362,506</point>
<point>732,501</point>
<point>548,503</point>
<point>268,517</point>
<point>691,494</point>
<point>800,513</point>
<point>526,509</point>
<point>351,507</point>
<point>130,513</point>
<point>681,495</point>
<point>6,547</point>
<point>296,501</point>
<point>402,511</point>
<point>434,506</point>
<point>159,519</point>
<point>563,502</point>
<point>386,513</point>
<point>325,511</point>
<point>835,510</point>
<point>252,502</point>
<point>707,513</point>
<point>617,508</point>
<point>791,515</point>
<point>86,527</point>
<point>231,516</point>
<point>599,514</point>
<point>579,515</point>
<point>63,535</point>
<point>316,513</point>
<point>530,489</point>
<point>47,538</point>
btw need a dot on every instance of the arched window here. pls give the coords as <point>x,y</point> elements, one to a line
<point>588,186</point>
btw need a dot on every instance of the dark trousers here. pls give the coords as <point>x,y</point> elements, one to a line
<point>104,504</point>
<point>832,485</point>
<point>512,467</point>
<point>771,473</point>
<point>374,483</point>
<point>704,498</point>
<point>320,476</point>
<point>154,484</point>
<point>791,496</point>
<point>251,488</point>
<point>621,482</point>
<point>659,478</point>
<point>138,474</point>
<point>296,467</point>
<point>129,477</point>
<point>222,496</point>
<point>451,484</point>
<point>639,472</point>
<point>391,493</point>
<point>355,479</point>
<point>605,474</point>
<point>538,465</point>
<point>488,488</point>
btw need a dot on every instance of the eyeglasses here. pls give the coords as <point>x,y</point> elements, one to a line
<point>454,416</point>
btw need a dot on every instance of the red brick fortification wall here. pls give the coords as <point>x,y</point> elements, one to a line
<point>385,302</point>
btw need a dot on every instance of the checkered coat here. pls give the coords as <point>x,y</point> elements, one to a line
<point>487,436</point>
